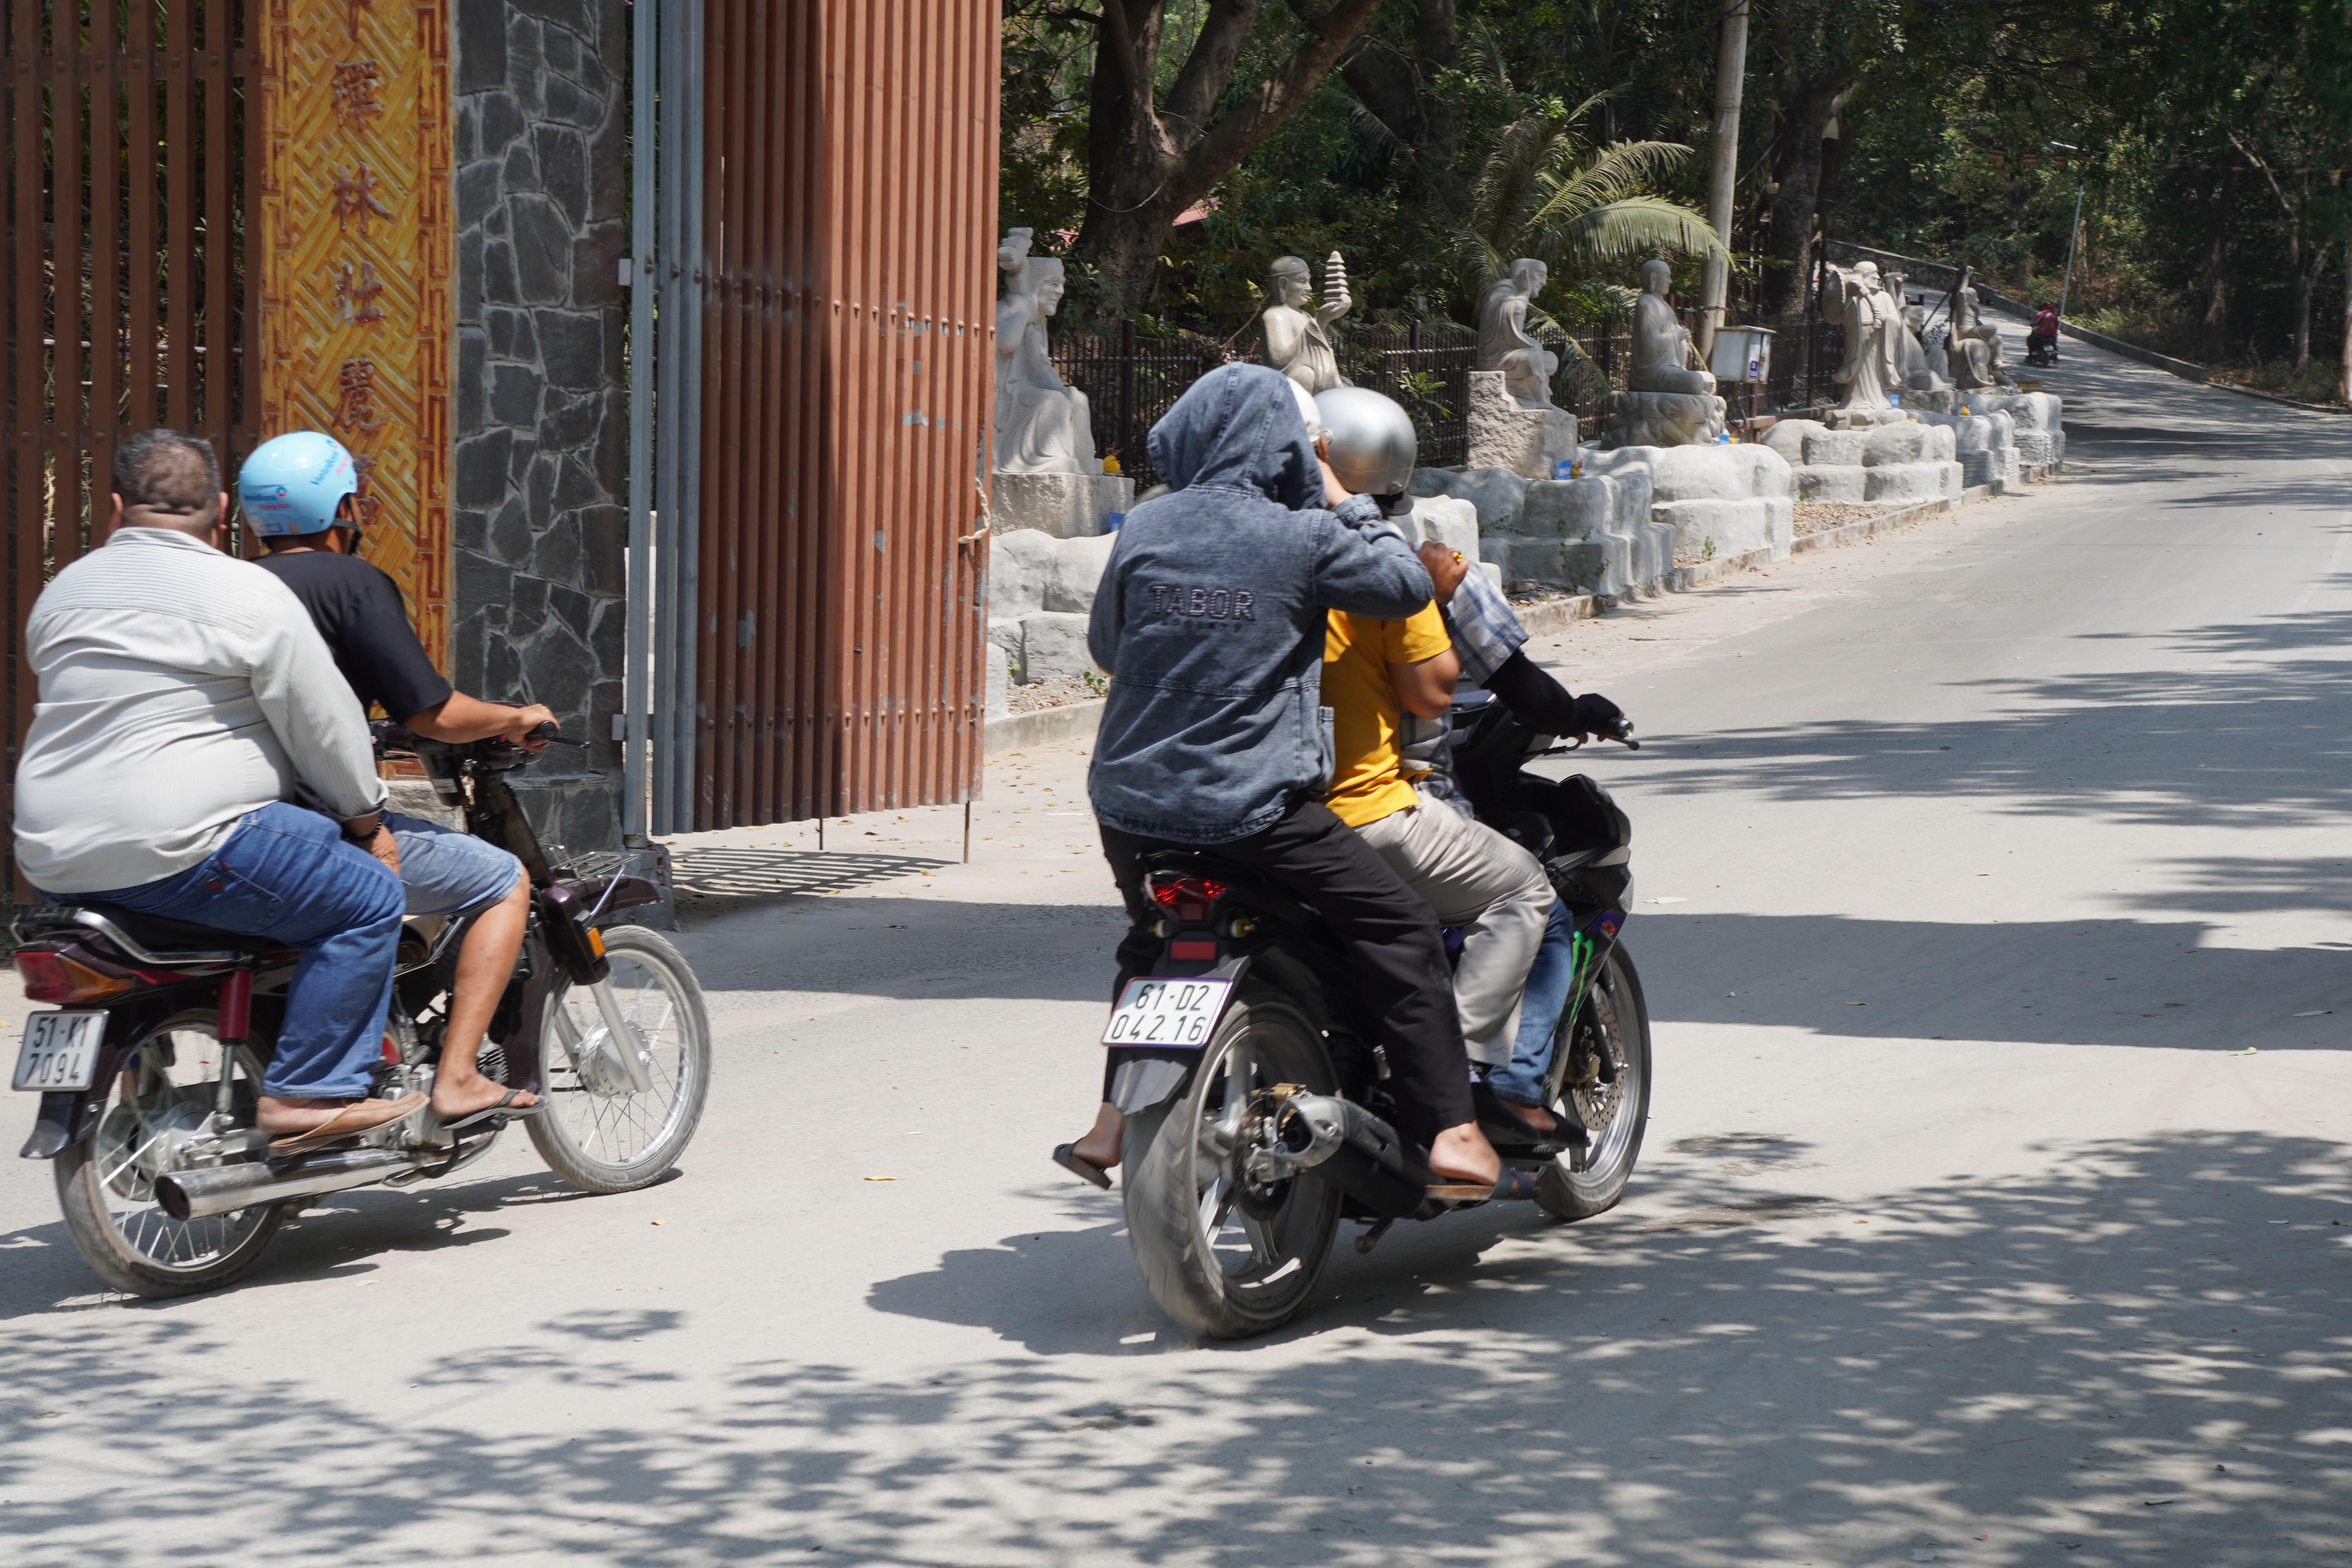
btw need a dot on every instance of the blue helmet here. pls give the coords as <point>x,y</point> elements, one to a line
<point>292,484</point>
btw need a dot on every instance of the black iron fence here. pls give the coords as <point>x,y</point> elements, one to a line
<point>1131,380</point>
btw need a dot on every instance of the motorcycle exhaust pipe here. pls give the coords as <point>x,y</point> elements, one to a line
<point>1355,1150</point>
<point>225,1189</point>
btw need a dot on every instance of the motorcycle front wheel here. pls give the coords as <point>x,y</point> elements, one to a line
<point>599,1133</point>
<point>106,1183</point>
<point>1222,1258</point>
<point>1608,1079</point>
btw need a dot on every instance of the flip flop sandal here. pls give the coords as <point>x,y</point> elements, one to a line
<point>1513,1185</point>
<point>506,1108</point>
<point>1066,1155</point>
<point>359,1116</point>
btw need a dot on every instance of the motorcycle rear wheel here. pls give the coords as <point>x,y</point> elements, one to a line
<point>1615,1112</point>
<point>1221,1262</point>
<point>595,1133</point>
<point>106,1182</point>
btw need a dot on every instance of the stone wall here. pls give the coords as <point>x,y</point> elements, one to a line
<point>541,475</point>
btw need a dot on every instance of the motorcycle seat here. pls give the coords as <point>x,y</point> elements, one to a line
<point>163,936</point>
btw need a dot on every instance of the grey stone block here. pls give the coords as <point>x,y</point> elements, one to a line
<point>473,353</point>
<point>1054,646</point>
<point>513,393</point>
<point>1496,492</point>
<point>481,45</point>
<point>508,533</point>
<point>542,249</point>
<point>1507,434</point>
<point>575,609</point>
<point>572,347</point>
<point>481,476</point>
<point>555,559</point>
<point>1020,566</point>
<point>1844,481</point>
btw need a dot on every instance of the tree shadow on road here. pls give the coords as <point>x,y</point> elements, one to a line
<point>2121,1360</point>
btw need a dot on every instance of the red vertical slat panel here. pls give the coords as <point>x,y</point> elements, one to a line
<point>114,213</point>
<point>849,180</point>
<point>179,221</point>
<point>68,436</point>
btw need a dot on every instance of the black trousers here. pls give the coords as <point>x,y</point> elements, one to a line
<point>1391,936</point>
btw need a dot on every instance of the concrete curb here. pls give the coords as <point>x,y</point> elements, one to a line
<point>2180,367</point>
<point>2274,398</point>
<point>1041,727</point>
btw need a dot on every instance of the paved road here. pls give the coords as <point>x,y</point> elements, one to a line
<point>1997,916</point>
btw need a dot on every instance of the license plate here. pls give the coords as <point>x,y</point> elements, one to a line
<point>1166,1013</point>
<point>59,1052</point>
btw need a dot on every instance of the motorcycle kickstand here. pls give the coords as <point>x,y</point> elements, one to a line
<point>1371,1236</point>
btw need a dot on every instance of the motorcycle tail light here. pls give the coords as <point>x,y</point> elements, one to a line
<point>54,978</point>
<point>1190,896</point>
<point>1191,949</point>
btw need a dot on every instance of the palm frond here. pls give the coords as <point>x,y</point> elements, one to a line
<point>1617,230</point>
<point>1619,171</point>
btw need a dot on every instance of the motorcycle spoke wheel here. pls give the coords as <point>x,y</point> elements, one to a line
<point>1220,1258</point>
<point>1609,1085</point>
<point>106,1183</point>
<point>598,1133</point>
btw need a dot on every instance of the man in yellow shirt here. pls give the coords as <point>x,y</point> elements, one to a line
<point>1479,882</point>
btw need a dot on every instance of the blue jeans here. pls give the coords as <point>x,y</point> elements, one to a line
<point>286,873</point>
<point>446,872</point>
<point>1539,1010</point>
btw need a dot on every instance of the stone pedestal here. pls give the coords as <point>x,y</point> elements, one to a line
<point>1663,419</point>
<point>1586,536</point>
<point>1890,464</point>
<point>1863,418</point>
<point>1528,439</point>
<point>1719,501</point>
<point>1040,589</point>
<point>1067,506</point>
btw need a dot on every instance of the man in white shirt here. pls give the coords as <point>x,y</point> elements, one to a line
<point>186,701</point>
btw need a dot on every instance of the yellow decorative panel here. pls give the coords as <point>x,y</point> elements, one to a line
<point>358,245</point>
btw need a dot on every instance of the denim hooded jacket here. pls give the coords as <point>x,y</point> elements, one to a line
<point>1211,618</point>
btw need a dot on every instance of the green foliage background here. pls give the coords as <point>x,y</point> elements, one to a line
<point>2198,121</point>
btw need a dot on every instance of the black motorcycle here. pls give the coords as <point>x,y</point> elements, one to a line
<point>1255,1091</point>
<point>150,1071</point>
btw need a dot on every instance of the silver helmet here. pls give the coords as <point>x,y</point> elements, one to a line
<point>1373,445</point>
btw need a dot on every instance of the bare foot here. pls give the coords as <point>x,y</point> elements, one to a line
<point>456,1094</point>
<point>325,1122</point>
<point>1099,1148</point>
<point>1463,1155</point>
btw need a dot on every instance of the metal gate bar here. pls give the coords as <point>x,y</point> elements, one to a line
<point>127,300</point>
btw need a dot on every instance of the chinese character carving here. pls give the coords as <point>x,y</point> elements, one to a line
<point>358,296</point>
<point>366,506</point>
<point>356,408</point>
<point>356,198</point>
<point>356,82</point>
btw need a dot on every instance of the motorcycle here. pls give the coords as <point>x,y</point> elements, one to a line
<point>150,1069</point>
<point>1255,1088</point>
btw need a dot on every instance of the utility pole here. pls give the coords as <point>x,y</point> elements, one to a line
<point>2067,281</point>
<point>1723,171</point>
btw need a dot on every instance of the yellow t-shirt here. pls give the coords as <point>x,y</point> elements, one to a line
<point>1357,652</point>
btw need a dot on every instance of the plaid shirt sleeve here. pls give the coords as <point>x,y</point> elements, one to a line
<point>1485,633</point>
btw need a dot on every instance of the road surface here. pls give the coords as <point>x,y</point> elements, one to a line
<point>1996,912</point>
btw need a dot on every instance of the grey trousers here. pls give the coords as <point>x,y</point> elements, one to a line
<point>1489,889</point>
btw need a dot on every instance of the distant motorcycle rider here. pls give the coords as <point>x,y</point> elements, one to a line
<point>299,493</point>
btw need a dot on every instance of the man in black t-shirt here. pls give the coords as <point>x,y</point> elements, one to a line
<point>360,612</point>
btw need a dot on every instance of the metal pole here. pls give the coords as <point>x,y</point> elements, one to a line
<point>2067,282</point>
<point>1129,448</point>
<point>638,685</point>
<point>2343,388</point>
<point>1723,171</point>
<point>967,833</point>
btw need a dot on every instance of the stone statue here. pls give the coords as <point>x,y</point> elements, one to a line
<point>1666,402</point>
<point>1872,366</point>
<point>1297,340</point>
<point>1973,351</point>
<point>1043,425</point>
<point>1504,345</point>
<point>1924,386</point>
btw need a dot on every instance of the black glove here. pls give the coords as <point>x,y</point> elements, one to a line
<point>1544,705</point>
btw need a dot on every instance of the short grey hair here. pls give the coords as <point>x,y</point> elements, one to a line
<point>165,470</point>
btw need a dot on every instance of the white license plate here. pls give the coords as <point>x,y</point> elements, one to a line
<point>1167,1012</point>
<point>59,1052</point>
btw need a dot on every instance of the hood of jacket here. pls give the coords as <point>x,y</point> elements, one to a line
<point>1238,428</point>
